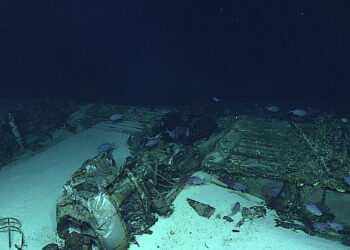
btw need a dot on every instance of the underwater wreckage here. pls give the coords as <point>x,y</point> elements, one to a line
<point>293,165</point>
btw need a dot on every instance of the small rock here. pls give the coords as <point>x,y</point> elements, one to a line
<point>51,246</point>
<point>227,218</point>
<point>201,209</point>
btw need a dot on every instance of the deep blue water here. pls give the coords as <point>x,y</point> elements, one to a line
<point>172,52</point>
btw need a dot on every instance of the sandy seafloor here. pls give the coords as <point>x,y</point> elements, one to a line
<point>29,190</point>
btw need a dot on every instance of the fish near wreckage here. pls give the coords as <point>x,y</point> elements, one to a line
<point>272,108</point>
<point>195,180</point>
<point>313,209</point>
<point>298,112</point>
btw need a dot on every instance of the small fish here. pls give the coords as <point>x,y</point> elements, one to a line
<point>171,133</point>
<point>195,180</point>
<point>344,120</point>
<point>235,208</point>
<point>298,112</point>
<point>335,225</point>
<point>272,108</point>
<point>216,99</point>
<point>158,118</point>
<point>151,142</point>
<point>272,191</point>
<point>239,186</point>
<point>346,179</point>
<point>321,227</point>
<point>115,117</point>
<point>313,209</point>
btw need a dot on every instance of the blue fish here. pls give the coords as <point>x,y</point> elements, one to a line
<point>235,208</point>
<point>313,209</point>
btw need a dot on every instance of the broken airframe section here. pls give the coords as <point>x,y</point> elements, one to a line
<point>307,160</point>
<point>30,129</point>
<point>314,154</point>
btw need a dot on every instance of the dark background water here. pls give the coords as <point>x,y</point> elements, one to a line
<point>171,52</point>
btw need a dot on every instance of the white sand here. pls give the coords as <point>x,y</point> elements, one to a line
<point>184,229</point>
<point>29,191</point>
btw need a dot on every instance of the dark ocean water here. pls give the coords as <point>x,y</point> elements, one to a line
<point>172,52</point>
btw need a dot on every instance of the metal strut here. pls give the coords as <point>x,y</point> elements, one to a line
<point>9,225</point>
